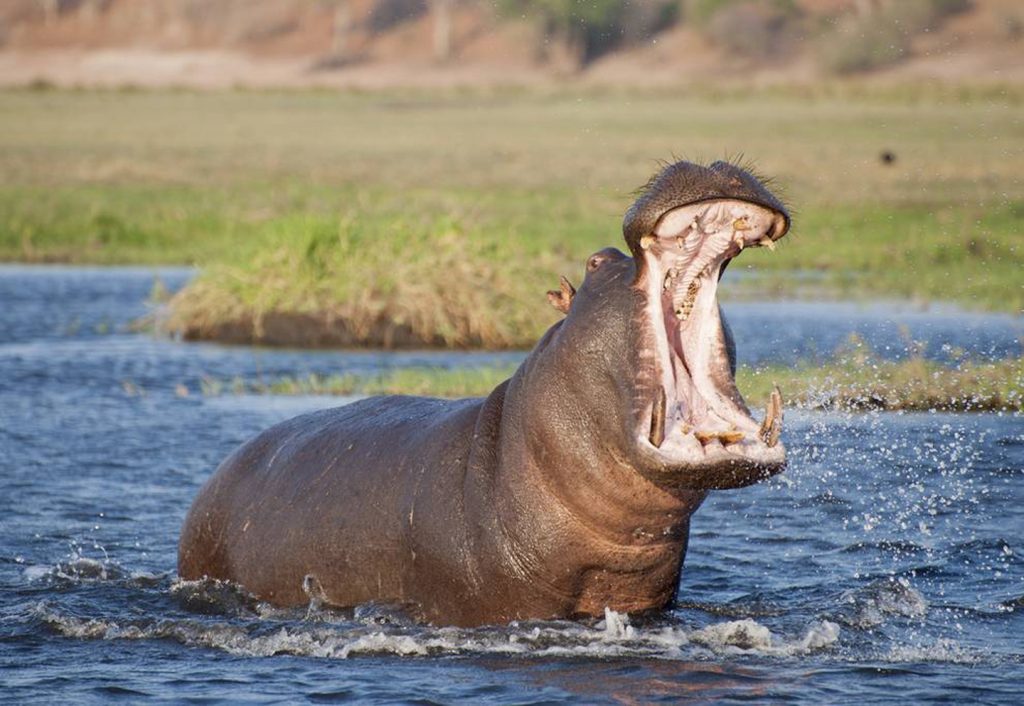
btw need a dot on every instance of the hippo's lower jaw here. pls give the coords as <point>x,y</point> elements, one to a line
<point>696,430</point>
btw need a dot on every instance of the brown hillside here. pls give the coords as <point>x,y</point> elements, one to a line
<point>371,43</point>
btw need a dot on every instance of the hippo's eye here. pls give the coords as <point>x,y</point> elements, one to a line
<point>598,259</point>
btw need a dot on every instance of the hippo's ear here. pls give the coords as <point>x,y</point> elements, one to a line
<point>561,299</point>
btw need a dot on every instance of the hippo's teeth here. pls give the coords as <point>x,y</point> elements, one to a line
<point>686,306</point>
<point>705,437</point>
<point>657,435</point>
<point>732,436</point>
<point>771,427</point>
<point>739,227</point>
<point>767,242</point>
<point>647,241</point>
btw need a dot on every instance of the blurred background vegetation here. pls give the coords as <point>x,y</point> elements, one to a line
<point>419,172</point>
<point>297,41</point>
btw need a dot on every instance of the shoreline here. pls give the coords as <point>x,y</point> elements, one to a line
<point>859,384</point>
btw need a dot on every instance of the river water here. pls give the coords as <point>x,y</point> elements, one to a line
<point>887,562</point>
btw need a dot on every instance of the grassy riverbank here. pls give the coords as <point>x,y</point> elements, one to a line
<point>854,384</point>
<point>330,219</point>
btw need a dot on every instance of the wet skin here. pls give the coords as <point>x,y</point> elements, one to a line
<point>567,490</point>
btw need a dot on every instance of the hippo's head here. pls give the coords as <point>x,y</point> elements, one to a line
<point>644,335</point>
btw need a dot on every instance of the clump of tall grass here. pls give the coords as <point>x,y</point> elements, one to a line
<point>393,281</point>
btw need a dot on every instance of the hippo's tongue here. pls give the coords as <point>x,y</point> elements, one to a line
<point>697,409</point>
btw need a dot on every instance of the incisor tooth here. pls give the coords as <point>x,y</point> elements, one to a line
<point>767,242</point>
<point>647,241</point>
<point>730,437</point>
<point>705,437</point>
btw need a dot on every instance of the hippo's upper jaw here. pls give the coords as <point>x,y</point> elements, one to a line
<point>695,429</point>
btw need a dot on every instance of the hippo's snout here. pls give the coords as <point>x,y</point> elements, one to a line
<point>686,184</point>
<point>689,223</point>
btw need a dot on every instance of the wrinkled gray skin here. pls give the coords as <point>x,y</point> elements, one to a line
<point>534,502</point>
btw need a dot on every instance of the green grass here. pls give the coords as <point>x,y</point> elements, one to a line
<point>915,384</point>
<point>429,382</point>
<point>856,383</point>
<point>443,218</point>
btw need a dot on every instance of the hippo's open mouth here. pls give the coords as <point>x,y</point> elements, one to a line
<point>697,422</point>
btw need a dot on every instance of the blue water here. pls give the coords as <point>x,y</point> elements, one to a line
<point>887,562</point>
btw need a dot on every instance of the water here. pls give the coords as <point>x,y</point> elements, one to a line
<point>889,558</point>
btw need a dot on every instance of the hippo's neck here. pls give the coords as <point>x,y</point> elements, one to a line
<point>570,517</point>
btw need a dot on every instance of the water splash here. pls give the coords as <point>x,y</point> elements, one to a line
<point>612,637</point>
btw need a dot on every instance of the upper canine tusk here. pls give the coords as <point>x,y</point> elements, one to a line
<point>647,241</point>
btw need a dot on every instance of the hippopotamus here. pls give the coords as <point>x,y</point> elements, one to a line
<point>567,490</point>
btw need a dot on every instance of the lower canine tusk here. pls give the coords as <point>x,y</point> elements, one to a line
<point>658,419</point>
<point>771,427</point>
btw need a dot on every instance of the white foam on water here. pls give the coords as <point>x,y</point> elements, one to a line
<point>612,637</point>
<point>942,650</point>
<point>36,572</point>
<point>872,605</point>
<point>76,569</point>
<point>749,636</point>
<point>616,625</point>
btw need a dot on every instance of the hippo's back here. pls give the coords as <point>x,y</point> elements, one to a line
<point>324,494</point>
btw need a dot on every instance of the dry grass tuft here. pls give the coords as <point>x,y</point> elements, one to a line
<point>388,282</point>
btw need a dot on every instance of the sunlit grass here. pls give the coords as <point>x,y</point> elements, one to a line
<point>320,217</point>
<point>915,384</point>
<point>856,383</point>
<point>430,382</point>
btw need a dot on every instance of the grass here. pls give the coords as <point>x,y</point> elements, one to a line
<point>441,219</point>
<point>915,384</point>
<point>856,383</point>
<point>428,382</point>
